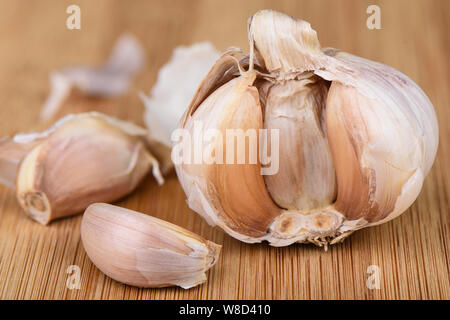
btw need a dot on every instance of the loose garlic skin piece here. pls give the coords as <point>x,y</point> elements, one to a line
<point>357,138</point>
<point>143,251</point>
<point>83,159</point>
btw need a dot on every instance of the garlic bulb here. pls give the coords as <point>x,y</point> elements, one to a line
<point>356,139</point>
<point>144,251</point>
<point>82,159</point>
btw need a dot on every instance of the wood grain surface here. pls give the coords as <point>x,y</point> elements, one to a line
<point>412,251</point>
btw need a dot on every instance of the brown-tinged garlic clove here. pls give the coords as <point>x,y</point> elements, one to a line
<point>143,251</point>
<point>81,160</point>
<point>235,192</point>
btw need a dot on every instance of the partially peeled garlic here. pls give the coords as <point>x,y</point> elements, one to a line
<point>357,138</point>
<point>144,251</point>
<point>82,159</point>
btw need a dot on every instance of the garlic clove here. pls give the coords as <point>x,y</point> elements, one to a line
<point>382,133</point>
<point>307,180</point>
<point>81,160</point>
<point>144,251</point>
<point>232,194</point>
<point>394,91</point>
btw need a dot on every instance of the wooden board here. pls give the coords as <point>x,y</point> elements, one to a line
<point>412,251</point>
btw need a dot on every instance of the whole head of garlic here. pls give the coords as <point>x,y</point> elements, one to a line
<point>356,138</point>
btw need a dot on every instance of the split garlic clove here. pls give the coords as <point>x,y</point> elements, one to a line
<point>143,251</point>
<point>235,190</point>
<point>357,138</point>
<point>80,160</point>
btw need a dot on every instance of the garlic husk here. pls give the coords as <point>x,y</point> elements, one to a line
<point>359,138</point>
<point>111,79</point>
<point>143,251</point>
<point>175,86</point>
<point>82,159</point>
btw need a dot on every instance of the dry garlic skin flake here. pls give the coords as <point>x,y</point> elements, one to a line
<point>357,138</point>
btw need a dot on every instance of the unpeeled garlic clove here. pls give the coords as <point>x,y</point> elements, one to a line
<point>144,251</point>
<point>387,141</point>
<point>357,138</point>
<point>235,190</point>
<point>82,159</point>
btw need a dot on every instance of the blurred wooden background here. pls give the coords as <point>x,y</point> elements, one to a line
<point>412,251</point>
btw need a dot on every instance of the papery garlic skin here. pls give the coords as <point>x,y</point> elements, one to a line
<point>358,138</point>
<point>82,159</point>
<point>176,84</point>
<point>144,251</point>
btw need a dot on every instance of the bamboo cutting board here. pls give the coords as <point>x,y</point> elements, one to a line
<point>412,252</point>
